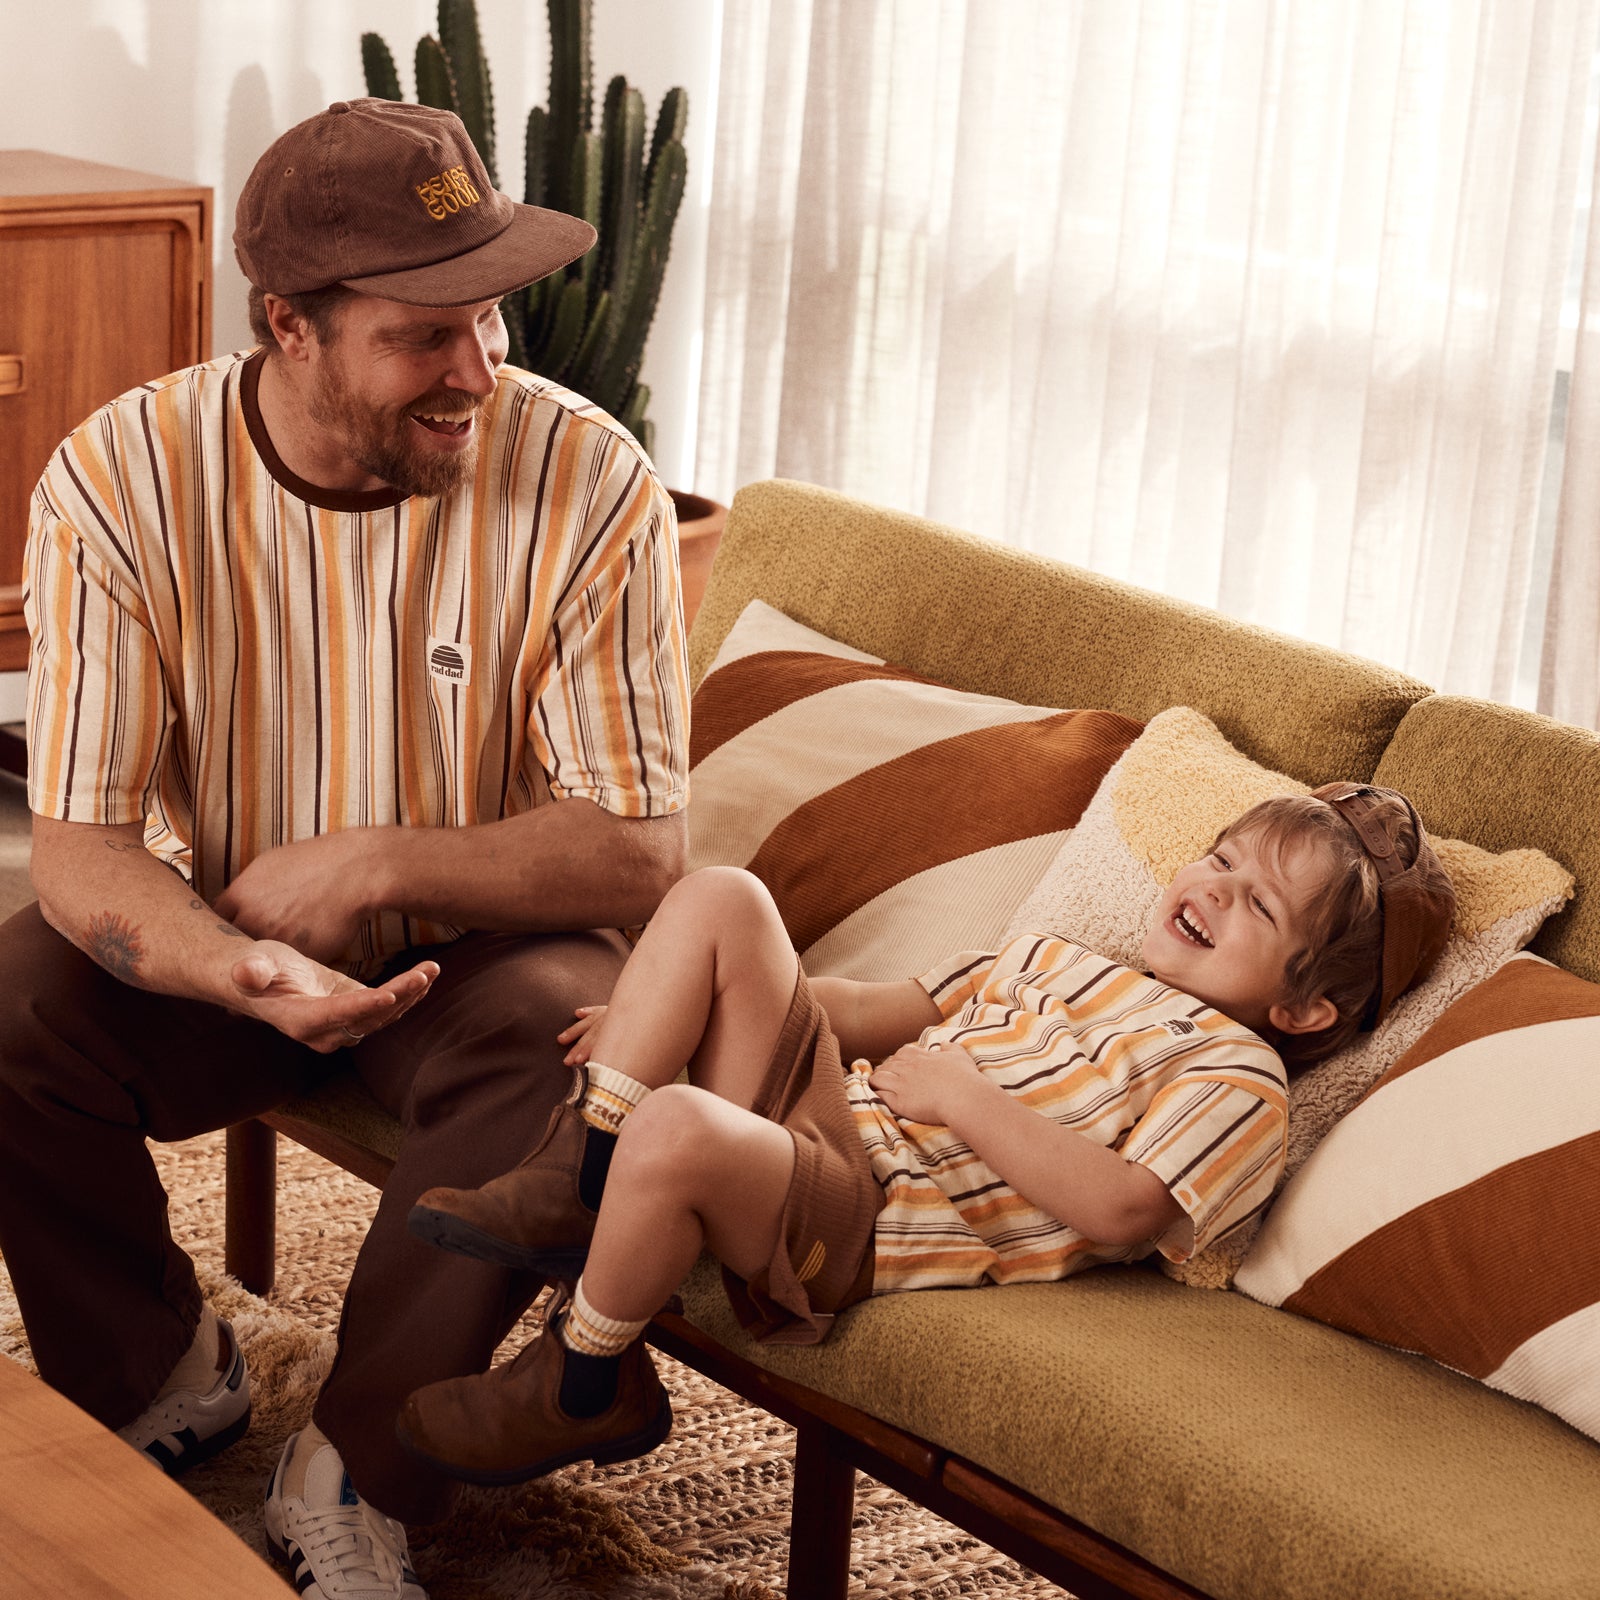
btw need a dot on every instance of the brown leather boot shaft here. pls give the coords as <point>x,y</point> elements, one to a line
<point>532,1217</point>
<point>507,1425</point>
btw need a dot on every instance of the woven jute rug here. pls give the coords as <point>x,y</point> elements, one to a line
<point>703,1518</point>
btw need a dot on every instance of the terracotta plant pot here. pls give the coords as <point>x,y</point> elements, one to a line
<point>699,532</point>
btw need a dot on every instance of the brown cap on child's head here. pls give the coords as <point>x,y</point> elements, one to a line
<point>1416,898</point>
<point>393,200</point>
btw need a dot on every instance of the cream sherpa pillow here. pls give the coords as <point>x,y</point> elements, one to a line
<point>1159,808</point>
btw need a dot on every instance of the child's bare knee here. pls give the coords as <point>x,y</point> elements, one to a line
<point>667,1119</point>
<point>725,900</point>
<point>671,1134</point>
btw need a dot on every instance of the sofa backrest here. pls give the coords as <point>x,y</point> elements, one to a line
<point>1504,778</point>
<point>986,617</point>
<point>989,618</point>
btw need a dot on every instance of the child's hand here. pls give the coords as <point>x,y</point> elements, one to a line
<point>922,1083</point>
<point>574,1033</point>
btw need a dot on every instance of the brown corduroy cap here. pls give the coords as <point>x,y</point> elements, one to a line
<point>1416,899</point>
<point>392,199</point>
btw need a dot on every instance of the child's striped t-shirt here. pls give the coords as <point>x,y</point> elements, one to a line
<point>1102,1049</point>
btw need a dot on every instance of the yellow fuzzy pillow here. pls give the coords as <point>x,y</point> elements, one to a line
<point>1168,796</point>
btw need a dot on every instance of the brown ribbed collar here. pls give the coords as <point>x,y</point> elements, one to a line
<point>311,493</point>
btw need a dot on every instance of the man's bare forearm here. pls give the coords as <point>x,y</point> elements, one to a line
<point>100,888</point>
<point>562,866</point>
<point>104,891</point>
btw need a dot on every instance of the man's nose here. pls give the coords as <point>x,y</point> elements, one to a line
<point>474,361</point>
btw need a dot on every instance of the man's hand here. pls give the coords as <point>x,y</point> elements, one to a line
<point>313,894</point>
<point>927,1083</point>
<point>317,1006</point>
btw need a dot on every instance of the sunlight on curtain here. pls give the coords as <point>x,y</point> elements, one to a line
<point>1255,303</point>
<point>1569,679</point>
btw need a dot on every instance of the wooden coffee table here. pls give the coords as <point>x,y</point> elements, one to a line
<point>83,1517</point>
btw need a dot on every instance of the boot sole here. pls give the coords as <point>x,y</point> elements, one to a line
<point>602,1454</point>
<point>450,1232</point>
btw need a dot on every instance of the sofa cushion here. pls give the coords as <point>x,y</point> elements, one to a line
<point>1251,1454</point>
<point>1456,1210</point>
<point>894,820</point>
<point>1161,806</point>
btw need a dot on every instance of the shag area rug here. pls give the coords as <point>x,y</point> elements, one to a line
<point>703,1518</point>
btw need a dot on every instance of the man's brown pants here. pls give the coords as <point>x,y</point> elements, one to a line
<point>90,1068</point>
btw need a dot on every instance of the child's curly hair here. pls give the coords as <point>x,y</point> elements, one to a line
<point>1343,956</point>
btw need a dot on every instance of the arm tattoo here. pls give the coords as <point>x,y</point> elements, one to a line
<point>226,928</point>
<point>115,943</point>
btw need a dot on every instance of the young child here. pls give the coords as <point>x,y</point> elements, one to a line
<point>1032,1113</point>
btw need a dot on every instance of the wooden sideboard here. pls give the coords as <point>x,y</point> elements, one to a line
<point>105,282</point>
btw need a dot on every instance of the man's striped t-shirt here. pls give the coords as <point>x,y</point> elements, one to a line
<point>240,659</point>
<point>1098,1048</point>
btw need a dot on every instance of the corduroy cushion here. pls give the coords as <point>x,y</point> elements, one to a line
<point>1160,807</point>
<point>1456,1210</point>
<point>1251,1454</point>
<point>893,819</point>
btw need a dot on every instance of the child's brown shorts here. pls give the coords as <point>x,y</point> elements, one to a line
<point>823,1260</point>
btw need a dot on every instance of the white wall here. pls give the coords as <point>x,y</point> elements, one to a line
<point>196,89</point>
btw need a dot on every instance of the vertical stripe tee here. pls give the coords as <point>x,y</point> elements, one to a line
<point>240,659</point>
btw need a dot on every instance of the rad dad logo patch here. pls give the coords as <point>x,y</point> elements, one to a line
<point>449,661</point>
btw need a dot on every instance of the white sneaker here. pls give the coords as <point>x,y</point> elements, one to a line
<point>334,1544</point>
<point>186,1426</point>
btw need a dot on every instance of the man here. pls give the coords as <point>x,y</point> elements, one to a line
<point>374,642</point>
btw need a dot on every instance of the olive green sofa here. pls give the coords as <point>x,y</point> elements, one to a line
<point>1119,1432</point>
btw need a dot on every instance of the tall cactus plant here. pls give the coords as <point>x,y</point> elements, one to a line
<point>584,327</point>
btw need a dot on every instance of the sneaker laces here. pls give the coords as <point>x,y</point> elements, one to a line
<point>358,1541</point>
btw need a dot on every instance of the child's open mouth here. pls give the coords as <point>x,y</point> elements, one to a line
<point>1190,929</point>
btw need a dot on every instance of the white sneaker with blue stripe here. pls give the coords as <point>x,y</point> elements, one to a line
<point>184,1426</point>
<point>335,1545</point>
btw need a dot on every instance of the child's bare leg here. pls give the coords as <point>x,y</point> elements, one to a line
<point>690,1172</point>
<point>708,986</point>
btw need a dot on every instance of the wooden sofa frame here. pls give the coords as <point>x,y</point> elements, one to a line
<point>833,1441</point>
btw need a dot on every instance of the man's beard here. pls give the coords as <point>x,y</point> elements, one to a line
<point>377,439</point>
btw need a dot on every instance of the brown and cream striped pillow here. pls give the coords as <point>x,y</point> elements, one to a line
<point>1456,1210</point>
<point>895,820</point>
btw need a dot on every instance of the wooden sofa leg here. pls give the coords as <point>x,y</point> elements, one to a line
<point>250,1225</point>
<point>824,1510</point>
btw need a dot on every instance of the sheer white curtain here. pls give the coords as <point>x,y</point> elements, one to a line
<point>1257,303</point>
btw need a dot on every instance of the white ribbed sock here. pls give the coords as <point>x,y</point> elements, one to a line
<point>610,1096</point>
<point>592,1333</point>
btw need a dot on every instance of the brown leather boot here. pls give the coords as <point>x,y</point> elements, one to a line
<point>530,1217</point>
<point>506,1425</point>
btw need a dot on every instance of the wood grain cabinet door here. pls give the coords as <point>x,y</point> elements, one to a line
<point>98,293</point>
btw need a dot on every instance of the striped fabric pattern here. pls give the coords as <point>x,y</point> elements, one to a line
<point>241,660</point>
<point>1160,807</point>
<point>1098,1048</point>
<point>1456,1211</point>
<point>892,818</point>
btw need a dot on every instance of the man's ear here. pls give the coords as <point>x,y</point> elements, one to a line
<point>1312,1017</point>
<point>289,328</point>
